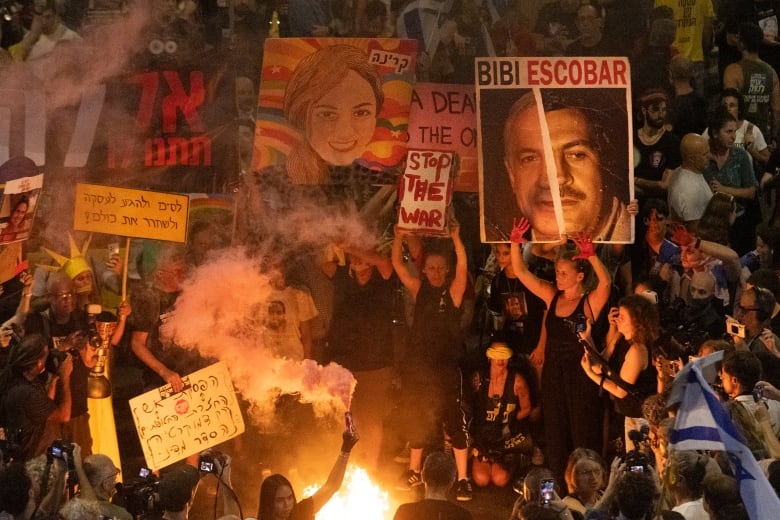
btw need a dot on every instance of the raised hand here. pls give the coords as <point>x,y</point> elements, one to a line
<point>681,236</point>
<point>519,228</point>
<point>585,245</point>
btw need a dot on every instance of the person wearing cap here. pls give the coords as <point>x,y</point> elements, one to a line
<point>101,474</point>
<point>501,405</point>
<point>658,151</point>
<point>25,404</point>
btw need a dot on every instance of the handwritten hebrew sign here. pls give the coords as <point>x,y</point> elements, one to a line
<point>131,213</point>
<point>426,191</point>
<point>173,426</point>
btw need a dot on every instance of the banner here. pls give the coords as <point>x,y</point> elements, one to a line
<point>172,426</point>
<point>131,213</point>
<point>555,146</point>
<point>444,117</point>
<point>426,191</point>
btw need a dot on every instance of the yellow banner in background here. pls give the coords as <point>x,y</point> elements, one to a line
<point>131,213</point>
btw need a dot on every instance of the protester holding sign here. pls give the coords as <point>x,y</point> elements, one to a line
<point>430,372</point>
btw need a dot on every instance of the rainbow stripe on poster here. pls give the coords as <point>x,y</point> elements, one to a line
<point>392,59</point>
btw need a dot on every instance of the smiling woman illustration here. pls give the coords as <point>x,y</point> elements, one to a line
<point>333,99</point>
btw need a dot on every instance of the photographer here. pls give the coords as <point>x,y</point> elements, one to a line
<point>740,373</point>
<point>24,402</point>
<point>754,312</point>
<point>629,376</point>
<point>101,474</point>
<point>633,493</point>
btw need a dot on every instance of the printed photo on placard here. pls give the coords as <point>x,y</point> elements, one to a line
<point>560,157</point>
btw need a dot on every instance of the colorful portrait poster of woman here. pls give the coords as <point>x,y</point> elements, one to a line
<point>334,113</point>
<point>333,102</point>
<point>555,147</point>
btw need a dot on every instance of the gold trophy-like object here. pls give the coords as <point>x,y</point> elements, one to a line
<point>100,332</point>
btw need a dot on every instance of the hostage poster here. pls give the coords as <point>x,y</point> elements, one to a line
<point>555,147</point>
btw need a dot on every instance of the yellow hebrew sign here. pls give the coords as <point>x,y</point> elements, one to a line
<point>131,213</point>
<point>173,426</point>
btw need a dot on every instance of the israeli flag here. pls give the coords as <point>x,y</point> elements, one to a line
<point>703,424</point>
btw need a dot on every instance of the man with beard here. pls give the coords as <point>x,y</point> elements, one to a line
<point>657,149</point>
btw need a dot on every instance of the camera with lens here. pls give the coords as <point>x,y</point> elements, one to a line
<point>208,459</point>
<point>63,450</point>
<point>61,350</point>
<point>638,461</point>
<point>735,328</point>
<point>141,498</point>
<point>577,323</point>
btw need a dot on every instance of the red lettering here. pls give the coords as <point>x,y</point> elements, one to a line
<point>533,70</point>
<point>187,103</point>
<point>560,72</point>
<point>619,73</point>
<point>590,72</point>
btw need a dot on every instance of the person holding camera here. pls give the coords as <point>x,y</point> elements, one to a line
<point>750,330</point>
<point>632,492</point>
<point>629,375</point>
<point>37,412</point>
<point>740,374</point>
<point>101,474</point>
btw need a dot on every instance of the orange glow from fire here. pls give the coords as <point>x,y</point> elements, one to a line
<point>358,499</point>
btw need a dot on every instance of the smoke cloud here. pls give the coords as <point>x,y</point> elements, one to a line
<point>214,314</point>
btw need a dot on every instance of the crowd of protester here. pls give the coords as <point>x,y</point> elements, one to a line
<point>578,343</point>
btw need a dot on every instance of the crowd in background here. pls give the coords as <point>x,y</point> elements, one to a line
<point>457,346</point>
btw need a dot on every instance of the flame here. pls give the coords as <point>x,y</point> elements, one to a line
<point>358,499</point>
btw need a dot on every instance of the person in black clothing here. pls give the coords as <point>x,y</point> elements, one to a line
<point>430,372</point>
<point>361,340</point>
<point>518,311</point>
<point>438,475</point>
<point>25,405</point>
<point>277,498</point>
<point>630,376</point>
<point>571,409</point>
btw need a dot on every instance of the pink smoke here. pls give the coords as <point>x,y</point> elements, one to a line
<point>210,316</point>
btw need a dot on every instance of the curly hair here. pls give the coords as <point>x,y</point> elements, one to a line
<point>644,318</point>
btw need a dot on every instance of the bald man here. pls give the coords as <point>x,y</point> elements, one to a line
<point>689,192</point>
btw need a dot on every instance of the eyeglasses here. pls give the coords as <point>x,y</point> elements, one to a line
<point>63,296</point>
<point>589,472</point>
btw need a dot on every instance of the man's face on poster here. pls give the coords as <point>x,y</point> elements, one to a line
<point>513,308</point>
<point>577,170</point>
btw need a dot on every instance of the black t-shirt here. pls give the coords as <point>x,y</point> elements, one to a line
<point>361,328</point>
<point>430,508</point>
<point>687,114</point>
<point>654,159</point>
<point>27,407</point>
<point>522,311</point>
<point>44,324</point>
